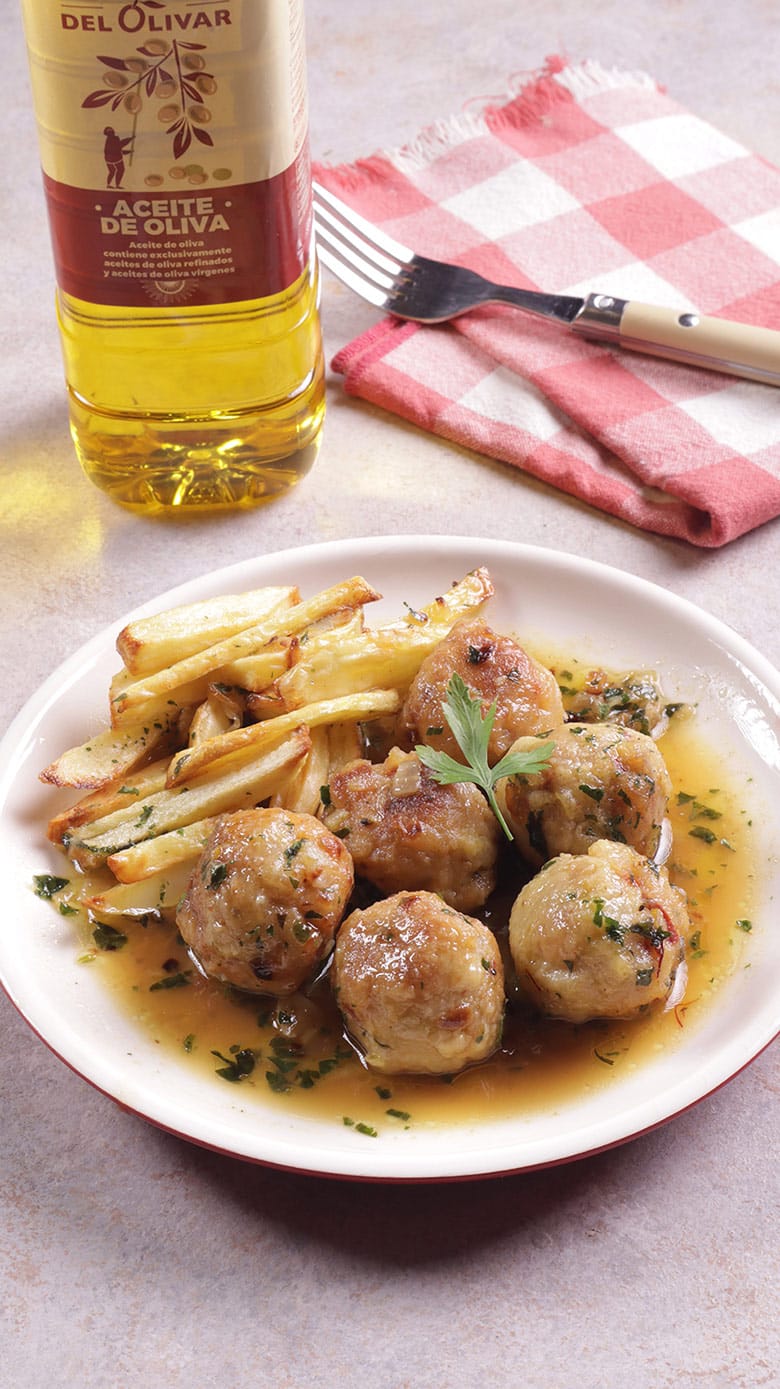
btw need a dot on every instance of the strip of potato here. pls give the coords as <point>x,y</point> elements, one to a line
<point>236,789</point>
<point>301,791</point>
<point>259,670</point>
<point>156,855</point>
<point>246,742</point>
<point>152,643</point>
<point>157,893</point>
<point>387,656</point>
<point>109,754</point>
<point>344,745</point>
<point>264,702</point>
<point>118,683</point>
<point>262,669</point>
<point>130,703</point>
<point>210,719</point>
<point>120,793</point>
<point>255,672</point>
<point>348,621</point>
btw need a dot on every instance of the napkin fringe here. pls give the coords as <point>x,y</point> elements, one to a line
<point>527,99</point>
<point>589,78</point>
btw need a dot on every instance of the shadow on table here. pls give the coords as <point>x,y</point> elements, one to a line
<point>411,1224</point>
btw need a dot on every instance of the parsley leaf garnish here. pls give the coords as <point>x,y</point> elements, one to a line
<point>171,981</point>
<point>46,884</point>
<point>472,730</point>
<point>237,1066</point>
<point>108,937</point>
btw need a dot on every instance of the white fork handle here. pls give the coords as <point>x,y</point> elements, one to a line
<point>736,348</point>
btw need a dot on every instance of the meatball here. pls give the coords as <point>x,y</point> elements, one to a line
<point>265,899</point>
<point>404,830</point>
<point>599,935</point>
<point>601,782</point>
<point>496,669</point>
<point>420,986</point>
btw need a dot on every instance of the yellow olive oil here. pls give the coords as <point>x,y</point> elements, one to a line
<point>233,398</point>
<point>174,146</point>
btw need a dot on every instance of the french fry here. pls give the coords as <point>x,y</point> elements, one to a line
<point>232,700</point>
<point>109,754</point>
<point>210,720</point>
<point>264,701</point>
<point>386,657</point>
<point>156,893</point>
<point>237,788</point>
<point>346,622</point>
<point>154,856</point>
<point>243,743</point>
<point>119,793</point>
<point>130,704</point>
<point>301,791</point>
<point>344,745</point>
<point>151,643</point>
<point>258,671</point>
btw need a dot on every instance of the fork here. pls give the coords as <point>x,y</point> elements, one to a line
<point>410,286</point>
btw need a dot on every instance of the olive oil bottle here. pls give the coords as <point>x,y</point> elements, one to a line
<point>174,146</point>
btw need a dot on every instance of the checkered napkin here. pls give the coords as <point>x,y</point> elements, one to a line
<point>586,180</point>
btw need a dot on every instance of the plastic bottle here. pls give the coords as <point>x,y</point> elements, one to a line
<point>174,145</point>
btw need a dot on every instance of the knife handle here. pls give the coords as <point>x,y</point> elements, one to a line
<point>739,349</point>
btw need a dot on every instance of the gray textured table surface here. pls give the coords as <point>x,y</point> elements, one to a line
<point>128,1258</point>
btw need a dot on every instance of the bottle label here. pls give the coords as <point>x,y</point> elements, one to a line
<point>174,145</point>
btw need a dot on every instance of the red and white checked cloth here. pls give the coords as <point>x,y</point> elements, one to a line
<point>586,180</point>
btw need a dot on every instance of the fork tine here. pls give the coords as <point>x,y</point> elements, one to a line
<point>360,274</point>
<point>342,271</point>
<point>354,250</point>
<point>352,226</point>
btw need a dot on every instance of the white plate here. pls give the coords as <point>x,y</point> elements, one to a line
<point>552,599</point>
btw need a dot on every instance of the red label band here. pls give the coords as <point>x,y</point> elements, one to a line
<point>195,245</point>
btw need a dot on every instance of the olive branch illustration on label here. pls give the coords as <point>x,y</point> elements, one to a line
<point>171,71</point>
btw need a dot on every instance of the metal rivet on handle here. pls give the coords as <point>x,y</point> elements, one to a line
<point>603,301</point>
<point>688,320</point>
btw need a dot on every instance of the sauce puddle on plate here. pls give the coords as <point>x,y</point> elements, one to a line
<point>292,1052</point>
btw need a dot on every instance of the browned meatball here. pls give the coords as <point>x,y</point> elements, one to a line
<point>601,782</point>
<point>420,986</point>
<point>496,669</point>
<point>599,935</point>
<point>265,899</point>
<point>404,830</point>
